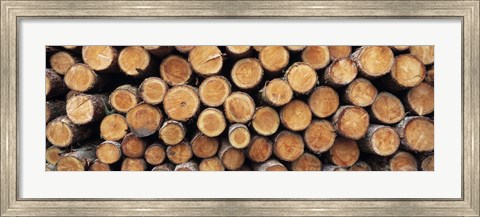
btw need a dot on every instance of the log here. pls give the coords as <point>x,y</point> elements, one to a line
<point>77,160</point>
<point>85,108</point>
<point>276,93</point>
<point>319,136</point>
<point>387,109</point>
<point>416,133</point>
<point>159,51</point>
<point>360,166</point>
<point>238,52</point>
<point>181,103</point>
<point>323,101</point>
<point>260,149</point>
<point>400,48</point>
<point>247,73</point>
<point>424,53</point>
<point>238,136</point>
<point>206,60</point>
<point>62,61</point>
<point>344,152</point>
<point>133,146</point>
<point>62,132</point>
<point>380,140</point>
<point>317,56</point>
<point>270,165</point>
<point>70,94</point>
<point>211,122</point>
<point>82,78</point>
<point>135,61</point>
<point>361,92</point>
<point>239,107</point>
<point>295,49</point>
<point>337,52</point>
<point>288,146</point>
<point>179,153</point>
<point>214,90</point>
<point>420,99</point>
<point>113,127</point>
<point>155,154</point>
<point>265,121</point>
<point>332,168</point>
<point>184,49</point>
<point>53,154</point>
<point>301,77</point>
<point>109,152</point>
<point>102,59</point>
<point>187,166</point>
<point>307,162</point>
<point>427,163</point>
<point>175,70</point>
<point>351,122</point>
<point>152,90</point>
<point>172,132</point>
<point>407,72</point>
<point>99,166</point>
<point>341,72</point>
<point>124,98</point>
<point>204,146</point>
<point>430,76</point>
<point>54,85</point>
<point>211,164</point>
<point>164,167</point>
<point>258,48</point>
<point>373,61</point>
<point>403,161</point>
<point>274,59</point>
<point>144,119</point>
<point>232,158</point>
<point>54,109</point>
<point>133,164</point>
<point>295,115</point>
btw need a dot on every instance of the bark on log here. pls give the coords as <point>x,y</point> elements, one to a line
<point>179,153</point>
<point>276,93</point>
<point>270,165</point>
<point>274,59</point>
<point>62,132</point>
<point>103,59</point>
<point>239,107</point>
<point>181,103</point>
<point>424,53</point>
<point>135,61</point>
<point>155,154</point>
<point>175,70</point>
<point>82,78</point>
<point>407,72</point>
<point>214,90</point>
<point>317,56</point>
<point>172,132</point>
<point>53,154</point>
<point>211,164</point>
<point>62,61</point>
<point>133,146</point>
<point>288,146</point>
<point>344,152</point>
<point>152,90</point>
<point>144,119</point>
<point>260,149</point>
<point>54,109</point>
<point>307,162</point>
<point>265,121</point>
<point>133,164</point>
<point>238,136</point>
<point>319,136</point>
<point>301,77</point>
<point>351,122</point>
<point>113,127</point>
<point>387,109</point>
<point>361,92</point>
<point>341,72</point>
<point>416,133</point>
<point>427,163</point>
<point>420,99</point>
<point>77,160</point>
<point>204,146</point>
<point>296,115</point>
<point>380,140</point>
<point>333,168</point>
<point>164,167</point>
<point>324,101</point>
<point>247,73</point>
<point>211,122</point>
<point>99,166</point>
<point>206,60</point>
<point>232,158</point>
<point>159,51</point>
<point>430,76</point>
<point>85,108</point>
<point>337,52</point>
<point>187,166</point>
<point>54,85</point>
<point>109,152</point>
<point>360,166</point>
<point>373,61</point>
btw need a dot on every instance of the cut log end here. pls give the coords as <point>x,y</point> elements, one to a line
<point>351,122</point>
<point>238,51</point>
<point>424,53</point>
<point>296,115</point>
<point>153,90</point>
<point>99,166</point>
<point>175,70</point>
<point>317,56</point>
<point>420,99</point>
<point>320,136</point>
<point>206,60</point>
<point>374,61</point>
<point>133,146</point>
<point>113,127</point>
<point>70,163</point>
<point>211,164</point>
<point>204,146</point>
<point>407,71</point>
<point>53,154</point>
<point>383,140</point>
<point>135,61</point>
<point>274,58</point>
<point>265,121</point>
<point>260,149</point>
<point>211,122</point>
<point>247,73</point>
<point>417,133</point>
<point>155,154</point>
<point>184,49</point>
<point>324,101</point>
<point>288,146</point>
<point>181,103</point>
<point>84,109</point>
<point>403,161</point>
<point>214,90</point>
<point>337,52</point>
<point>361,92</point>
<point>109,152</point>
<point>133,164</point>
<point>295,49</point>
<point>144,119</point>
<point>62,61</point>
<point>59,133</point>
<point>232,158</point>
<point>124,98</point>
<point>271,165</point>
<point>301,77</point>
<point>387,108</point>
<point>159,51</point>
<point>428,163</point>
<point>277,92</point>
<point>80,78</point>
<point>341,72</point>
<point>344,152</point>
<point>172,132</point>
<point>239,107</point>
<point>77,160</point>
<point>179,153</point>
<point>238,136</point>
<point>100,58</point>
<point>307,162</point>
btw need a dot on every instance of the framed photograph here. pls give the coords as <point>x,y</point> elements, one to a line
<point>229,108</point>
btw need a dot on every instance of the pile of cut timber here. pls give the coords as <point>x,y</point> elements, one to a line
<point>216,108</point>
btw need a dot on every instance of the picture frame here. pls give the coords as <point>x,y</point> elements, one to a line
<point>13,11</point>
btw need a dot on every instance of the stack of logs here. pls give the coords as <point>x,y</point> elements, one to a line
<point>263,108</point>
